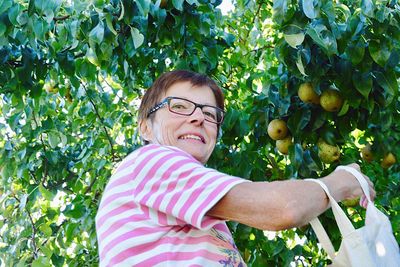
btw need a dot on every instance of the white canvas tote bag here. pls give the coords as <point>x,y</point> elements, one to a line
<point>372,245</point>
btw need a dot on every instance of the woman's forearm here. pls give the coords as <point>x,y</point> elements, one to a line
<point>283,204</point>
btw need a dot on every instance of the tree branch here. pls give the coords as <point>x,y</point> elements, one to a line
<point>14,63</point>
<point>102,122</point>
<point>34,229</point>
<point>254,19</point>
<point>122,101</point>
<point>65,17</point>
<point>46,162</point>
<point>90,186</point>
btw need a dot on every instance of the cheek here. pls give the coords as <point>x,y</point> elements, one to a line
<point>213,133</point>
<point>167,130</point>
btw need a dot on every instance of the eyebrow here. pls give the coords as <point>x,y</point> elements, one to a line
<point>184,97</point>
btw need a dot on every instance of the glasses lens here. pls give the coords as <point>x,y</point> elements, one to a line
<point>185,107</point>
<point>181,106</point>
<point>212,114</point>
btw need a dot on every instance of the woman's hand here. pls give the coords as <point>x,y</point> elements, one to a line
<point>343,185</point>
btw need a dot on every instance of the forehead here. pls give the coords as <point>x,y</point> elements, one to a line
<point>199,94</point>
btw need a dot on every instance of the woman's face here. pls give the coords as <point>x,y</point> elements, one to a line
<point>193,133</point>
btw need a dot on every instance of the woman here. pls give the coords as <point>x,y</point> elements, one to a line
<point>163,207</point>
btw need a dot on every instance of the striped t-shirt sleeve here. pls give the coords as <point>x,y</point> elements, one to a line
<point>176,188</point>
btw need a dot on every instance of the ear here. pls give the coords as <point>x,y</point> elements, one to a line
<point>146,130</point>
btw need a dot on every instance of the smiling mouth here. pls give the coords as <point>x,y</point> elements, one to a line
<point>193,137</point>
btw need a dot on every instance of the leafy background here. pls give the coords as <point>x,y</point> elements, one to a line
<point>72,74</point>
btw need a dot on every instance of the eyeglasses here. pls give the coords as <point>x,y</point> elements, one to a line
<point>186,107</point>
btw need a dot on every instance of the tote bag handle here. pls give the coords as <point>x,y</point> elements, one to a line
<point>344,224</point>
<point>360,178</point>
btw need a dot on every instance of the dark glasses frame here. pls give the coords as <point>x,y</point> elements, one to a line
<point>167,101</point>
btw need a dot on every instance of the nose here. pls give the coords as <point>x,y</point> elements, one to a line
<point>197,117</point>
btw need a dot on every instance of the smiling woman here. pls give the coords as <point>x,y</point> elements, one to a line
<point>194,132</point>
<point>162,206</point>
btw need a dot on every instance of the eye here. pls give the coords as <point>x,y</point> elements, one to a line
<point>178,106</point>
<point>210,115</point>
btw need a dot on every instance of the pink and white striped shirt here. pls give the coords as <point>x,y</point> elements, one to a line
<point>153,212</point>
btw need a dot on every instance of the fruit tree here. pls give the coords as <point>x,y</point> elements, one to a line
<point>309,85</point>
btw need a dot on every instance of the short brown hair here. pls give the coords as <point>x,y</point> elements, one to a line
<point>166,80</point>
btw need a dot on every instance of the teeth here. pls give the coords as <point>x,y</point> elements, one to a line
<point>190,136</point>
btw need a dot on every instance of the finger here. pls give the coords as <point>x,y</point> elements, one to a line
<point>355,166</point>
<point>372,193</point>
<point>363,202</point>
<point>362,198</point>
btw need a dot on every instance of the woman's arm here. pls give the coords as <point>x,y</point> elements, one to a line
<point>284,204</point>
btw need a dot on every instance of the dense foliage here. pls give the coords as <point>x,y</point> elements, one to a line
<point>72,74</point>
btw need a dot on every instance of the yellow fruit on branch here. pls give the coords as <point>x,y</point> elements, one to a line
<point>351,202</point>
<point>284,144</point>
<point>331,100</point>
<point>277,129</point>
<point>307,94</point>
<point>366,153</point>
<point>388,160</point>
<point>327,153</point>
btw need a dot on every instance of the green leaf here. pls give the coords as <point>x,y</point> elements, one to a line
<point>294,39</point>
<point>41,5</point>
<point>5,5</point>
<point>3,28</point>
<point>41,261</point>
<point>97,33</point>
<point>110,24</point>
<point>279,10</point>
<point>229,38</point>
<point>309,9</point>
<point>40,28</point>
<point>47,251</point>
<point>356,51</point>
<point>75,211</point>
<point>344,108</point>
<point>178,4</point>
<point>299,64</point>
<point>143,6</point>
<point>379,51</point>
<point>48,15</point>
<point>298,153</point>
<point>13,14</point>
<point>387,80</point>
<point>312,164</point>
<point>293,35</point>
<point>21,154</point>
<point>45,193</point>
<point>122,13</point>
<point>54,139</point>
<point>322,37</point>
<point>23,201</point>
<point>8,145</point>
<point>92,58</point>
<point>367,8</point>
<point>363,83</point>
<point>31,7</point>
<point>137,37</point>
<point>64,139</point>
<point>45,229</point>
<point>299,121</point>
